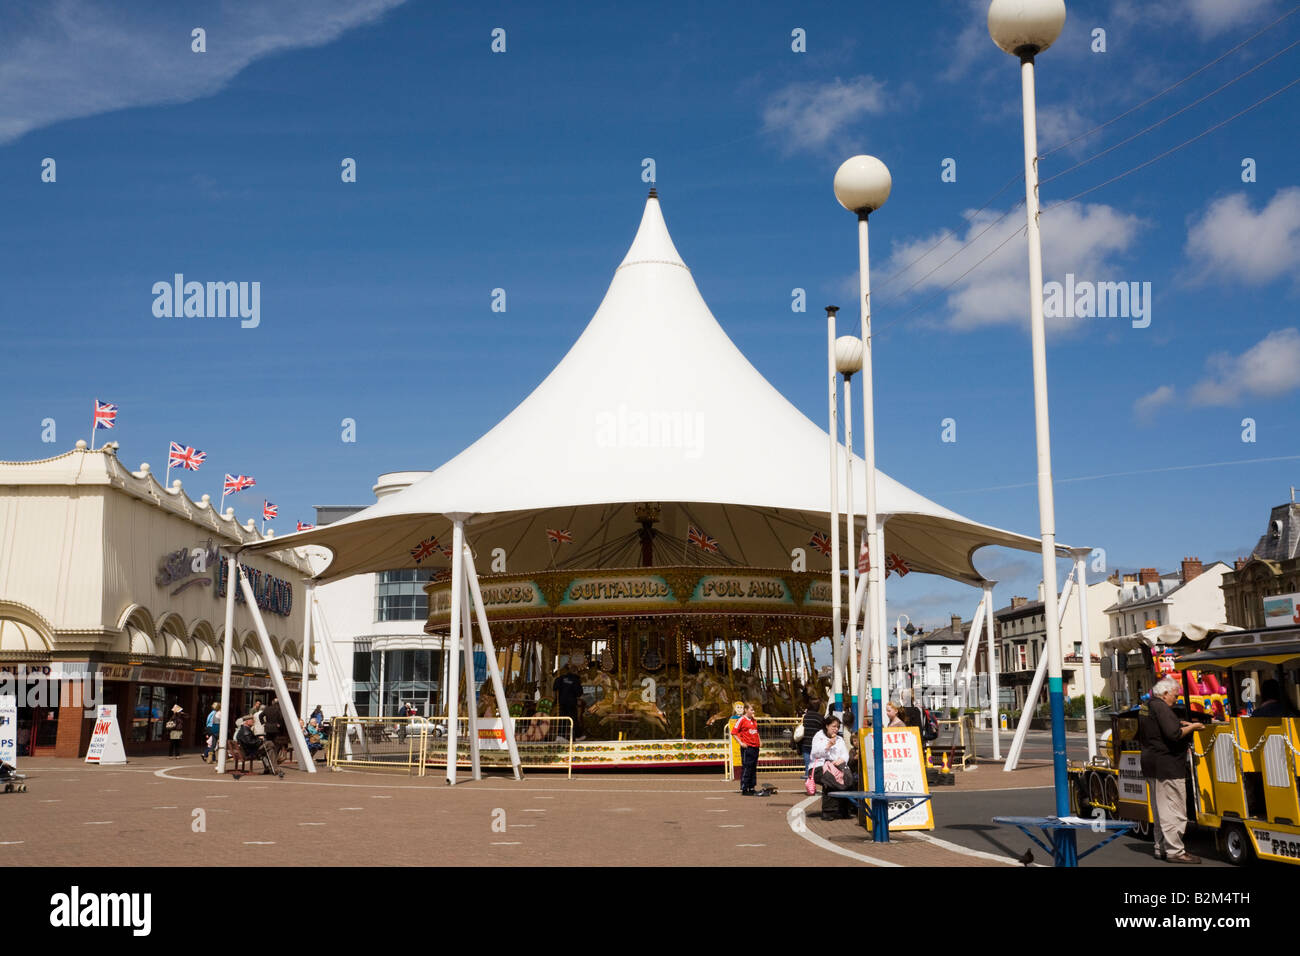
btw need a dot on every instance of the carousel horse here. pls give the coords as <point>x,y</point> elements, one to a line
<point>618,702</point>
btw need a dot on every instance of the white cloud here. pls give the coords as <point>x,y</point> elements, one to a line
<point>1077,238</point>
<point>77,58</point>
<point>1209,17</point>
<point>1145,408</point>
<point>1265,370</point>
<point>807,115</point>
<point>1233,241</point>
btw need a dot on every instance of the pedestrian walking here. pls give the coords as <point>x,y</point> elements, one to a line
<point>175,732</point>
<point>212,730</point>
<point>746,731</point>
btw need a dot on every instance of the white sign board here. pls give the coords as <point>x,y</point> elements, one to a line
<point>904,773</point>
<point>1132,785</point>
<point>9,729</point>
<point>492,734</point>
<point>106,742</point>
<point>1281,609</point>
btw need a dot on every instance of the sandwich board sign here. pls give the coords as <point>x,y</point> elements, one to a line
<point>9,730</point>
<point>904,773</point>
<point>106,742</point>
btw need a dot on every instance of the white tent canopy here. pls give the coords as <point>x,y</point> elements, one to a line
<point>653,403</point>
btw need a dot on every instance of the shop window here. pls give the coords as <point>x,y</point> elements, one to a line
<point>147,716</point>
<point>399,595</point>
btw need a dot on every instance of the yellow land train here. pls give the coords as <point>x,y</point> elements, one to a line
<point>1243,775</point>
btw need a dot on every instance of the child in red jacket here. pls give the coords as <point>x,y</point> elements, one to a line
<point>746,731</point>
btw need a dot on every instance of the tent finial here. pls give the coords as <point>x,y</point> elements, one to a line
<point>654,193</point>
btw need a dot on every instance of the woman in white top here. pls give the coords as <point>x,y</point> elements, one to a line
<point>829,748</point>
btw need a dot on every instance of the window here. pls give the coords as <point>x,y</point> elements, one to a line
<point>399,595</point>
<point>361,667</point>
<point>1078,649</point>
<point>945,676</point>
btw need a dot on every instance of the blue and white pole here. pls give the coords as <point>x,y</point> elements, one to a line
<point>1024,28</point>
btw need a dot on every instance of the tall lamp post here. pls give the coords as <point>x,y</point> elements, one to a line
<point>848,362</point>
<point>1025,28</point>
<point>862,185</point>
<point>898,643</point>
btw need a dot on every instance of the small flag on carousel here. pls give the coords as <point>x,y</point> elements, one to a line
<point>895,563</point>
<point>556,536</point>
<point>701,540</point>
<point>864,559</point>
<point>446,552</point>
<point>821,542</point>
<point>304,526</point>
<point>424,549</point>
<point>269,511</point>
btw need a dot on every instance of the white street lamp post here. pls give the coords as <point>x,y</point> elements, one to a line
<point>862,185</point>
<point>1025,28</point>
<point>898,644</point>
<point>837,636</point>
<point>848,361</point>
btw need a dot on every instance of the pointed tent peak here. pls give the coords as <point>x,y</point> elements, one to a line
<point>652,242</point>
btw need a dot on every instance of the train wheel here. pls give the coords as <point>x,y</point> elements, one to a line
<point>1235,844</point>
<point>1144,830</point>
<point>1096,791</point>
<point>1111,788</point>
<point>1082,805</point>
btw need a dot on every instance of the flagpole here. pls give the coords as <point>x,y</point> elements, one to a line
<point>94,418</point>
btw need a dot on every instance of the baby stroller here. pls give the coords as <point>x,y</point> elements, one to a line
<point>11,779</point>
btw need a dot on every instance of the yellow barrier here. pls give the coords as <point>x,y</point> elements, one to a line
<point>776,753</point>
<point>378,743</point>
<point>542,742</point>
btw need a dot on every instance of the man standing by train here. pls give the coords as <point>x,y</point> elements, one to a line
<point>1165,740</point>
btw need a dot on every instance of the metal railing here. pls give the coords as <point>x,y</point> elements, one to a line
<point>776,753</point>
<point>414,744</point>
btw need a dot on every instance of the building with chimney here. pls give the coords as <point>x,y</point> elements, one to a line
<point>1263,590</point>
<point>1020,635</point>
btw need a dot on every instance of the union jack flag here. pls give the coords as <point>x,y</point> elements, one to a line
<point>185,457</point>
<point>864,560</point>
<point>701,540</point>
<point>895,563</point>
<point>237,483</point>
<point>559,537</point>
<point>821,542</point>
<point>269,510</point>
<point>424,549</point>
<point>105,414</point>
<point>303,526</point>
<point>446,552</point>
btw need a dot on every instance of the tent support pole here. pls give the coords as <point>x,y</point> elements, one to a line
<point>453,660</point>
<point>471,690</point>
<point>305,761</point>
<point>310,592</point>
<point>1031,699</point>
<point>485,634</point>
<point>227,655</point>
<point>993,664</point>
<point>1081,575</point>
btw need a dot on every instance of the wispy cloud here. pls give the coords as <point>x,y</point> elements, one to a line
<point>1077,237</point>
<point>805,116</point>
<point>1209,17</point>
<point>1265,370</point>
<point>1232,241</point>
<point>76,58</point>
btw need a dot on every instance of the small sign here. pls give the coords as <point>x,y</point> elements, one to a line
<point>1281,609</point>
<point>1132,785</point>
<point>491,734</point>
<point>904,773</point>
<point>106,742</point>
<point>9,729</point>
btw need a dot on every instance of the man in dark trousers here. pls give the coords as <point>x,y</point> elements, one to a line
<point>1165,740</point>
<point>568,688</point>
<point>275,728</point>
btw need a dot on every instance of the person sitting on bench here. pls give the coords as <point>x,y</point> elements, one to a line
<point>832,769</point>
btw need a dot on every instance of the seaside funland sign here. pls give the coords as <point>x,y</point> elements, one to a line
<point>202,566</point>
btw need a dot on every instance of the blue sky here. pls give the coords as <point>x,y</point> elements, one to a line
<point>522,170</point>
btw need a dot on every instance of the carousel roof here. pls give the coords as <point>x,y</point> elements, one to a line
<point>653,403</point>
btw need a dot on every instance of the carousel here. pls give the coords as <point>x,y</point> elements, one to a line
<point>654,517</point>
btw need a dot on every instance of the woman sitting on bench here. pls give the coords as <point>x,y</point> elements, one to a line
<point>832,770</point>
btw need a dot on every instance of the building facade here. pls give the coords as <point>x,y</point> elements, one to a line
<point>112,591</point>
<point>376,622</point>
<point>1273,569</point>
<point>1192,595</point>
